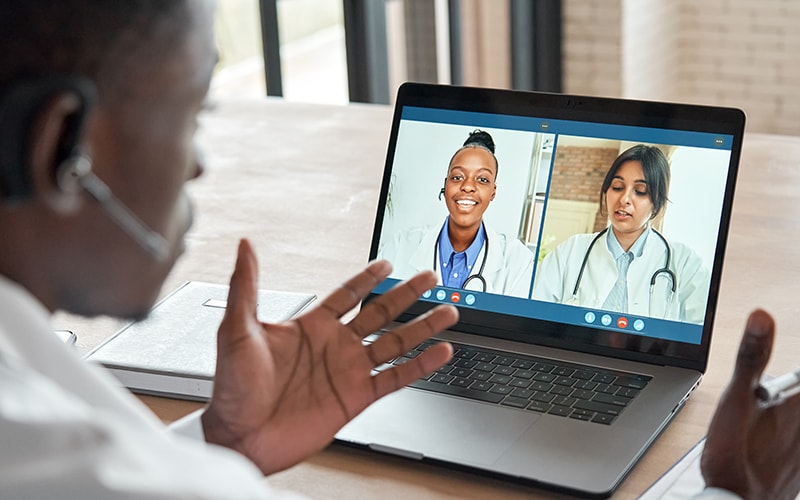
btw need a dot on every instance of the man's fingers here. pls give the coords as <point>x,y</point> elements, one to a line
<point>350,293</point>
<point>242,295</point>
<point>738,400</point>
<point>380,311</point>
<point>754,352</point>
<point>403,338</point>
<point>727,455</point>
<point>400,376</point>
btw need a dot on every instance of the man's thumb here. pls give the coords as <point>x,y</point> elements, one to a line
<point>755,348</point>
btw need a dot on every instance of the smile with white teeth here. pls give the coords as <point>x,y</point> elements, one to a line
<point>467,203</point>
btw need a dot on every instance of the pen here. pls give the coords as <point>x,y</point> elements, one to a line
<point>775,391</point>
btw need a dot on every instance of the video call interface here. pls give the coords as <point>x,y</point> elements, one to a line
<point>552,244</point>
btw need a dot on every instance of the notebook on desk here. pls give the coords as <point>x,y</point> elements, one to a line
<point>555,382</point>
<point>173,352</point>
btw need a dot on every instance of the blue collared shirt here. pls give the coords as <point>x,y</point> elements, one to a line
<point>617,299</point>
<point>457,266</point>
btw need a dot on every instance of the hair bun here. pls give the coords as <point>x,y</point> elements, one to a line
<point>480,138</point>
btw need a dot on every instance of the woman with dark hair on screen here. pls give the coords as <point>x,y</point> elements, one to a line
<point>464,251</point>
<point>629,266</point>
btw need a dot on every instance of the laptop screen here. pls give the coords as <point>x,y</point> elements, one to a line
<point>586,223</point>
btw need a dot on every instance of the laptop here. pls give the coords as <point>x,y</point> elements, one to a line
<point>551,385</point>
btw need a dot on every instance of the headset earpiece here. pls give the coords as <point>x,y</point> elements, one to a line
<point>19,105</point>
<point>441,191</point>
<point>71,171</point>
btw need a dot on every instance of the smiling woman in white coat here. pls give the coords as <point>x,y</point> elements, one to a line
<point>628,267</point>
<point>464,251</point>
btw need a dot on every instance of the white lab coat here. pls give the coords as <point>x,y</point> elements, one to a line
<point>508,269</point>
<point>557,273</point>
<point>68,430</point>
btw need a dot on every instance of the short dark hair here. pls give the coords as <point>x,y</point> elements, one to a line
<point>478,139</point>
<point>655,168</point>
<point>87,38</point>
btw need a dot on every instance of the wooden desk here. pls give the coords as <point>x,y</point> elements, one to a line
<point>301,181</point>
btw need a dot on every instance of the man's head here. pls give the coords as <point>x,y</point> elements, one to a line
<point>147,64</point>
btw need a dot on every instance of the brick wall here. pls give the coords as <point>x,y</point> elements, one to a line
<point>592,47</point>
<point>578,173</point>
<point>744,54</point>
<point>726,52</point>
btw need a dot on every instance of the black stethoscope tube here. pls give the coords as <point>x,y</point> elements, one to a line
<point>664,270</point>
<point>471,277</point>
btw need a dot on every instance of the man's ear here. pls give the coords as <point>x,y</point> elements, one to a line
<point>55,132</point>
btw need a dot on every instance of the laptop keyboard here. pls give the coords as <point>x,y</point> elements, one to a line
<point>538,384</point>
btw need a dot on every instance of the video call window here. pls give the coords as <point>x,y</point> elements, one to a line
<point>538,224</point>
<point>668,276</point>
<point>443,192</point>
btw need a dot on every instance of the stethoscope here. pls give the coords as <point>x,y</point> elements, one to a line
<point>664,270</point>
<point>479,275</point>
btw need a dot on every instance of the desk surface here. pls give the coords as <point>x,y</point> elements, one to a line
<point>301,181</point>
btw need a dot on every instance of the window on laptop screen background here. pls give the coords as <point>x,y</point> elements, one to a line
<point>546,210</point>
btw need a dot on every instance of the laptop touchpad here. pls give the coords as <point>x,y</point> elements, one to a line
<point>418,424</point>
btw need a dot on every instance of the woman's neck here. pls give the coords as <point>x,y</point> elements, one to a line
<point>461,237</point>
<point>626,240</point>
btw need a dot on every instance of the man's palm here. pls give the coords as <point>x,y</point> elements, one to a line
<point>282,391</point>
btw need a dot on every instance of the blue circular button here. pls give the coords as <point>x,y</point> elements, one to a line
<point>605,319</point>
<point>469,299</point>
<point>590,317</point>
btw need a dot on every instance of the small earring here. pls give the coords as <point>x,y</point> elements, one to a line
<point>71,171</point>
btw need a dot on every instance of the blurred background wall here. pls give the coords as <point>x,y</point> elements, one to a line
<point>725,52</point>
